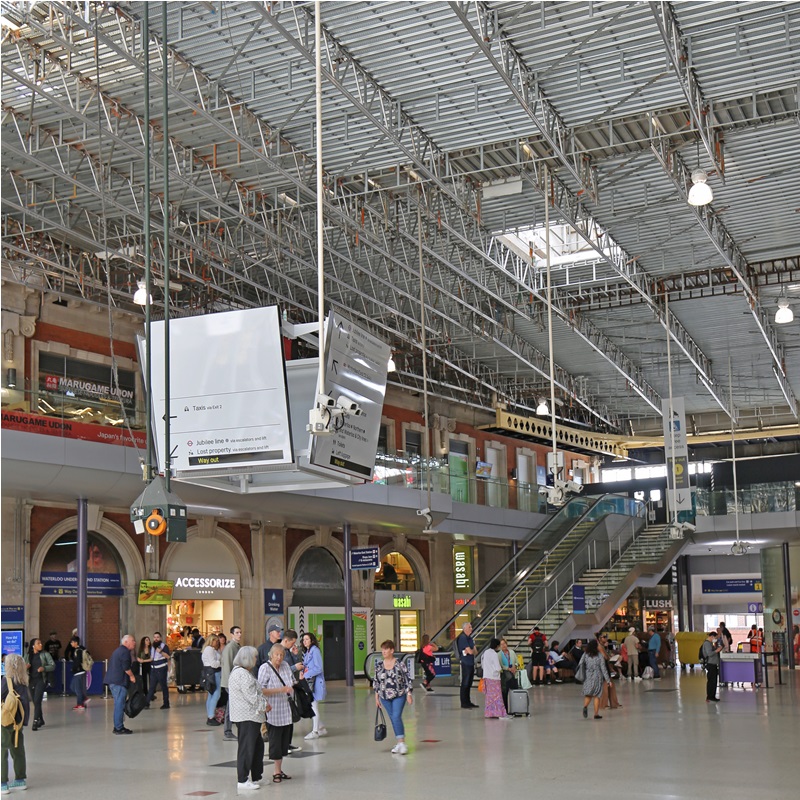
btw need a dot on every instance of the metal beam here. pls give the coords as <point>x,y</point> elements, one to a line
<point>490,36</point>
<point>699,108</point>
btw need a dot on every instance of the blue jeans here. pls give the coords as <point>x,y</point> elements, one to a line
<point>119,693</point>
<point>211,700</point>
<point>653,656</point>
<point>78,686</point>
<point>394,708</point>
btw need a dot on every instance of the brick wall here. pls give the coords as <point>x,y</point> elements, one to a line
<point>102,622</point>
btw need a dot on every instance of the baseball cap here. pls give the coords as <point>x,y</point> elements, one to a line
<point>631,630</point>
<point>272,628</point>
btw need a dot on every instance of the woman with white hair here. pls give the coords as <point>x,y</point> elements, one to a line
<point>13,741</point>
<point>276,679</point>
<point>247,705</point>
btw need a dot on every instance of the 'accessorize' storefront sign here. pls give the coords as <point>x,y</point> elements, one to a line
<point>205,586</point>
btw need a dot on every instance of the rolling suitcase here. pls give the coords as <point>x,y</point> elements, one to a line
<point>518,703</point>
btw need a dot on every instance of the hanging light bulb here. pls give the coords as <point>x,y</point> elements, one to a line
<point>784,314</point>
<point>542,408</point>
<point>392,367</point>
<point>700,194</point>
<point>140,296</point>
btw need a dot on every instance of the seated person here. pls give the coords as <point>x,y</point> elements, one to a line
<point>554,662</point>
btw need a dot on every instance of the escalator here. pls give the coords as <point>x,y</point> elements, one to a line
<point>514,594</point>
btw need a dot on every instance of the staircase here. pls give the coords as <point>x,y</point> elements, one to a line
<point>521,587</point>
<point>642,563</point>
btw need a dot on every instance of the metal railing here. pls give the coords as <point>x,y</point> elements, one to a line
<point>589,552</point>
<point>646,547</point>
<point>566,528</point>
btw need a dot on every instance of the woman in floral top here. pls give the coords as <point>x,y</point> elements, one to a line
<point>392,691</point>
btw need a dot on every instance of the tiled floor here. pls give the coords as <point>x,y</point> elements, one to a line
<point>665,742</point>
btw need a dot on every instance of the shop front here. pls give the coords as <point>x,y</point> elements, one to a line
<point>398,616</point>
<point>643,608</point>
<point>207,601</point>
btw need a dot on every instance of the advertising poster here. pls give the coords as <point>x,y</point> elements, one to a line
<point>155,593</point>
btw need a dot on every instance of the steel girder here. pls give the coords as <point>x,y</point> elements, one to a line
<point>514,72</point>
<point>718,234</point>
<point>680,58</point>
<point>681,286</point>
<point>523,84</point>
<point>180,158</point>
<point>387,114</point>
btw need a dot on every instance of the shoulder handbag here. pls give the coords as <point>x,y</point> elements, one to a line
<point>580,672</point>
<point>380,725</point>
<point>296,717</point>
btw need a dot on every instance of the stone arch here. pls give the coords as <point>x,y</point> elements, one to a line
<point>132,562</point>
<point>222,536</point>
<point>333,546</point>
<point>414,557</point>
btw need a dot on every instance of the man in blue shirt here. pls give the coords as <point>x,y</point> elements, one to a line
<point>653,646</point>
<point>465,645</point>
<point>118,676</point>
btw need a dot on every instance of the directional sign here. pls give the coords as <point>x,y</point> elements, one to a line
<point>356,364</point>
<point>365,558</point>
<point>228,403</point>
<point>755,608</point>
<point>677,454</point>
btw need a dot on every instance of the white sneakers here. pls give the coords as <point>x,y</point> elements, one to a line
<point>323,731</point>
<point>248,785</point>
<point>312,735</point>
<point>400,749</point>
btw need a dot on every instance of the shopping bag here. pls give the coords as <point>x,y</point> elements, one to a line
<point>481,685</point>
<point>380,725</point>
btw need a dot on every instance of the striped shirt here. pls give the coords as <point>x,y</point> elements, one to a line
<point>280,714</point>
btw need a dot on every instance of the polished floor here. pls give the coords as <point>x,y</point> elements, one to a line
<point>666,742</point>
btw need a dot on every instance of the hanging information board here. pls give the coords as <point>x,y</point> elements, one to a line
<point>228,403</point>
<point>356,364</point>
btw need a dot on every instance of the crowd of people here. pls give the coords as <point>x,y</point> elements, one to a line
<point>255,688</point>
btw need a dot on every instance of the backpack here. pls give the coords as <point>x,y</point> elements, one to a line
<point>87,662</point>
<point>701,657</point>
<point>12,706</point>
<point>537,645</point>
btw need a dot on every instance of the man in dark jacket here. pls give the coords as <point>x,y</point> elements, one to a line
<point>118,676</point>
<point>78,674</point>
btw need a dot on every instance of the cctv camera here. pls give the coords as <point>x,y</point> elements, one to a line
<point>325,401</point>
<point>423,512</point>
<point>687,527</point>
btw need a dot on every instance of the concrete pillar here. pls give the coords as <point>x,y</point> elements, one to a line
<point>439,600</point>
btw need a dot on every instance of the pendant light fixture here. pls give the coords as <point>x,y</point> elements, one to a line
<point>784,314</point>
<point>700,194</point>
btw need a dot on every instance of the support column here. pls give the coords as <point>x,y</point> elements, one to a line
<point>787,588</point>
<point>679,581</point>
<point>689,597</point>
<point>82,550</point>
<point>349,667</point>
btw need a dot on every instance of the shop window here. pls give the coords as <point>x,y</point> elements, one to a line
<point>85,392</point>
<point>396,574</point>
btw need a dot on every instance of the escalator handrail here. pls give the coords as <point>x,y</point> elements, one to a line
<point>553,577</point>
<point>610,569</point>
<point>552,522</point>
